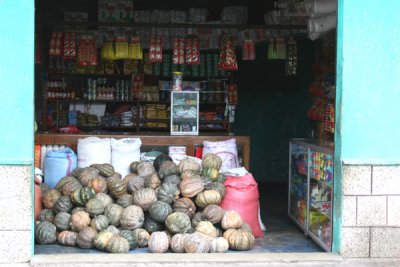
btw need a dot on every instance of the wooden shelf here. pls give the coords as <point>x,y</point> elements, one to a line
<point>180,25</point>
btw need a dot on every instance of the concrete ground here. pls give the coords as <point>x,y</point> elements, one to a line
<point>200,260</point>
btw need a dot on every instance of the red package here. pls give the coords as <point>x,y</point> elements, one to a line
<point>192,51</point>
<point>178,51</point>
<point>155,49</point>
<point>56,43</point>
<point>227,57</point>
<point>138,87</point>
<point>87,51</point>
<point>249,50</point>
<point>69,45</point>
<point>232,94</point>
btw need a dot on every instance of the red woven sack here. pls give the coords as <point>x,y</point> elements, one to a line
<point>242,195</point>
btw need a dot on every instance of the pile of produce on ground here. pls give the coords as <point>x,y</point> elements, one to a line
<point>159,205</point>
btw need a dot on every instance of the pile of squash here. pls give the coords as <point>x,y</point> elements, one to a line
<point>159,205</point>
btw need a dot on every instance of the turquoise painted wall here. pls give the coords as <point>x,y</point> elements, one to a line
<point>370,127</point>
<point>16,81</point>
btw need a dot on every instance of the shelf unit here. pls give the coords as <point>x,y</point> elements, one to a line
<point>311,188</point>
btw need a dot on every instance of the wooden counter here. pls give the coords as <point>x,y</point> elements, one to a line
<point>190,142</point>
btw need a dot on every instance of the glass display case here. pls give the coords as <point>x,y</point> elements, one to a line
<point>184,113</point>
<point>311,188</point>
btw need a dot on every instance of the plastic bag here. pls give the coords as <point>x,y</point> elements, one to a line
<point>226,150</point>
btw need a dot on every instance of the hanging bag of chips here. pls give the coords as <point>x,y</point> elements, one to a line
<point>155,49</point>
<point>87,50</point>
<point>192,51</point>
<point>249,50</point>
<point>178,51</point>
<point>56,43</point>
<point>227,57</point>
<point>277,48</point>
<point>121,47</point>
<point>107,50</point>
<point>135,49</point>
<point>69,45</point>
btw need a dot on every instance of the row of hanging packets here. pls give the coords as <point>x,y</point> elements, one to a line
<point>155,49</point>
<point>291,57</point>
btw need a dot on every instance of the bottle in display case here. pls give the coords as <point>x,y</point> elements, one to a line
<point>184,113</point>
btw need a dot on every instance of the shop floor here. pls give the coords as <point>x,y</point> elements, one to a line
<point>281,234</point>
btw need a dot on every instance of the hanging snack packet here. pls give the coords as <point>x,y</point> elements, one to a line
<point>178,51</point>
<point>291,57</point>
<point>69,45</point>
<point>138,87</point>
<point>192,51</point>
<point>56,42</point>
<point>249,50</point>
<point>87,51</point>
<point>121,47</point>
<point>155,49</point>
<point>227,57</point>
<point>107,50</point>
<point>135,49</point>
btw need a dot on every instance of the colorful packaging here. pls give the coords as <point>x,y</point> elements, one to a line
<point>56,44</point>
<point>138,87</point>
<point>227,57</point>
<point>121,47</point>
<point>135,49</point>
<point>192,51</point>
<point>249,50</point>
<point>178,51</point>
<point>155,49</point>
<point>69,45</point>
<point>87,50</point>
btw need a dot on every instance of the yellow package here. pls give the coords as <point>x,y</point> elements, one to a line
<point>121,48</point>
<point>135,50</point>
<point>107,51</point>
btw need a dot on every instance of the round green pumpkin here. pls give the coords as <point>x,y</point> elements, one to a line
<point>125,200</point>
<point>133,166</point>
<point>118,244</point>
<point>145,168</point>
<point>105,169</point>
<point>132,217</point>
<point>105,199</point>
<point>76,172</point>
<point>189,173</point>
<point>152,226</point>
<point>45,233</point>
<point>211,173</point>
<point>133,182</point>
<point>87,175</point>
<point>82,195</point>
<point>168,193</point>
<point>61,221</point>
<point>144,197</point>
<point>168,168</point>
<point>159,211</point>
<point>79,220</point>
<point>99,223</point>
<point>94,207</point>
<point>67,238</point>
<point>117,188</point>
<point>198,217</point>
<point>63,181</point>
<point>208,197</point>
<point>178,222</point>
<point>113,213</point>
<point>186,206</point>
<point>101,240</point>
<point>142,237</point>
<point>191,186</point>
<point>197,243</point>
<point>158,242</point>
<point>152,181</point>
<point>63,204</point>
<point>189,164</point>
<point>213,213</point>
<point>85,238</point>
<point>46,215</point>
<point>211,161</point>
<point>172,179</point>
<point>70,186</point>
<point>159,160</point>
<point>130,237</point>
<point>50,198</point>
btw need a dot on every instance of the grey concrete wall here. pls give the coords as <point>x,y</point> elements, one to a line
<point>15,215</point>
<point>371,211</point>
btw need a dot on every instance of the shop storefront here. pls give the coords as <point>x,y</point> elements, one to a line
<point>363,190</point>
